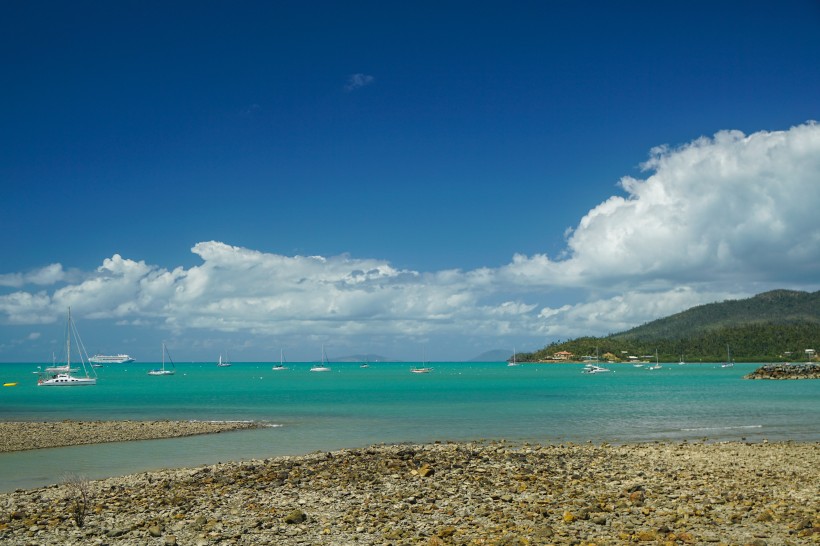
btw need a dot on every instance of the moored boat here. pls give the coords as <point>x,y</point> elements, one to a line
<point>163,370</point>
<point>322,367</point>
<point>63,376</point>
<point>110,359</point>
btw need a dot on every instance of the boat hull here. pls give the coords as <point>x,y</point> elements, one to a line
<point>66,380</point>
<point>110,359</point>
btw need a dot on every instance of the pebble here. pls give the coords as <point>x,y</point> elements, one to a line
<point>25,435</point>
<point>469,494</point>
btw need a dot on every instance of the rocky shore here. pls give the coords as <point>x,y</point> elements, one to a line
<point>482,493</point>
<point>786,370</point>
<point>22,435</point>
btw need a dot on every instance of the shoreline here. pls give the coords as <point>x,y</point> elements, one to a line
<point>470,493</point>
<point>29,435</point>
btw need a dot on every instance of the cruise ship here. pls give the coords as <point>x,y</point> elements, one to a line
<point>110,359</point>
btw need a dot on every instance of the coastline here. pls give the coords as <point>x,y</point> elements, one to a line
<point>786,370</point>
<point>477,493</point>
<point>26,435</point>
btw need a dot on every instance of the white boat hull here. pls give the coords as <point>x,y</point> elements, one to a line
<point>67,380</point>
<point>110,359</point>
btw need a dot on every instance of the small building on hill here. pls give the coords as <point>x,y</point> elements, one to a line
<point>562,355</point>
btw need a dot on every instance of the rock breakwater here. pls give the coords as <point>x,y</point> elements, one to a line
<point>452,493</point>
<point>22,435</point>
<point>786,370</point>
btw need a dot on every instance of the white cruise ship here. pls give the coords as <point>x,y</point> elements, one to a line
<point>110,359</point>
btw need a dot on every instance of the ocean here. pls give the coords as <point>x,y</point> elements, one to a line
<point>352,406</point>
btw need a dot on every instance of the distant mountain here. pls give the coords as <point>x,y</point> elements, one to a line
<point>776,325</point>
<point>496,355</point>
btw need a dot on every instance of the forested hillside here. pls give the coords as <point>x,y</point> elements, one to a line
<point>777,325</point>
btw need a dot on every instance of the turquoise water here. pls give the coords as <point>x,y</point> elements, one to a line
<point>352,406</point>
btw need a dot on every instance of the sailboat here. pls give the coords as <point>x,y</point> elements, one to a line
<point>595,366</point>
<point>62,376</point>
<point>423,368</point>
<point>163,371</point>
<point>657,365</point>
<point>281,365</point>
<point>729,362</point>
<point>323,367</point>
<point>223,363</point>
<point>513,362</point>
<point>54,368</point>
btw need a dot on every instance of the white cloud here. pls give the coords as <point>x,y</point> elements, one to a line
<point>48,275</point>
<point>734,207</point>
<point>718,218</point>
<point>357,81</point>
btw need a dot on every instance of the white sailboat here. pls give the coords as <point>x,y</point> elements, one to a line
<point>62,376</point>
<point>323,367</point>
<point>513,362</point>
<point>54,368</point>
<point>729,362</point>
<point>594,366</point>
<point>163,371</point>
<point>424,368</point>
<point>281,365</point>
<point>657,365</point>
<point>223,363</point>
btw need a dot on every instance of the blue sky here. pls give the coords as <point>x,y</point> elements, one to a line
<point>386,177</point>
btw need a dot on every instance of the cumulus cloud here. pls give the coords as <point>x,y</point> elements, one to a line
<point>357,81</point>
<point>717,218</point>
<point>729,207</point>
<point>50,274</point>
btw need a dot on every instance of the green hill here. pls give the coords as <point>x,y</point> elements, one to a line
<point>776,325</point>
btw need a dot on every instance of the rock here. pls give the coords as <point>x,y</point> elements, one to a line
<point>786,370</point>
<point>692,493</point>
<point>297,516</point>
<point>426,470</point>
<point>637,497</point>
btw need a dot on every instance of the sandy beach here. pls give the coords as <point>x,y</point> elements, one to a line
<point>477,493</point>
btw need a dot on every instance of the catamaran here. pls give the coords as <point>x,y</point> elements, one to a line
<point>594,366</point>
<point>62,376</point>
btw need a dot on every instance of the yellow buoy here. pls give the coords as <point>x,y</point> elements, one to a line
<point>9,384</point>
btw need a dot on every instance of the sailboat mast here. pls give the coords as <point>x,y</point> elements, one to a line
<point>68,342</point>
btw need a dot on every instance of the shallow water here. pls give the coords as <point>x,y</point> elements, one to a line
<point>352,406</point>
